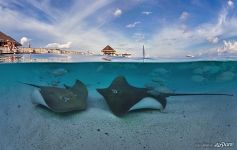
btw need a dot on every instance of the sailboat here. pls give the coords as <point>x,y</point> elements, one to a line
<point>143,53</point>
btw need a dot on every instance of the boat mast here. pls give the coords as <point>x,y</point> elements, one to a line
<point>143,53</point>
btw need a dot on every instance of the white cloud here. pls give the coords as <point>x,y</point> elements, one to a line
<point>139,37</point>
<point>184,16</point>
<point>213,40</point>
<point>117,12</point>
<point>58,45</point>
<point>72,26</point>
<point>146,12</point>
<point>230,3</point>
<point>230,46</point>
<point>25,41</point>
<point>172,40</point>
<point>132,25</point>
<point>211,31</point>
<point>178,39</point>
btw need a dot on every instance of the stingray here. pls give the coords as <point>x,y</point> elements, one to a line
<point>121,96</point>
<point>60,99</point>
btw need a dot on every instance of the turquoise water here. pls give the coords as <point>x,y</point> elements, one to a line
<point>186,76</point>
<point>195,119</point>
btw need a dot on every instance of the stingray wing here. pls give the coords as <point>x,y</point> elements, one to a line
<point>121,100</point>
<point>61,100</point>
<point>120,96</point>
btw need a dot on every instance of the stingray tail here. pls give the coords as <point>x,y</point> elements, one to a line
<point>29,84</point>
<point>162,97</point>
<point>190,94</point>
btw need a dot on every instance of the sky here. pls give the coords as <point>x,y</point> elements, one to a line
<point>166,28</point>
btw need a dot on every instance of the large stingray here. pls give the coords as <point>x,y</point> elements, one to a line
<point>121,96</point>
<point>61,99</point>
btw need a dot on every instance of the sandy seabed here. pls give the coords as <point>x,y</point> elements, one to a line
<point>199,122</point>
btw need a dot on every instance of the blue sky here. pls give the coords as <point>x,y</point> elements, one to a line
<point>166,28</point>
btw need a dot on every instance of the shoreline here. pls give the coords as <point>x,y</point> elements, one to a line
<point>74,58</point>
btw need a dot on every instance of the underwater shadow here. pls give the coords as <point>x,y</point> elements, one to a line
<point>46,111</point>
<point>141,111</point>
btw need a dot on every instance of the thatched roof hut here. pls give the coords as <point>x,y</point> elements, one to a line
<point>5,38</point>
<point>108,50</point>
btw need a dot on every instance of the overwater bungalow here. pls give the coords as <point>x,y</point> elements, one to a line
<point>8,45</point>
<point>108,50</point>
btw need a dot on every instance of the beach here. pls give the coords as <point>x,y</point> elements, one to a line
<point>187,123</point>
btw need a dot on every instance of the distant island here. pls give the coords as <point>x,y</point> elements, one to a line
<point>8,45</point>
<point>24,50</point>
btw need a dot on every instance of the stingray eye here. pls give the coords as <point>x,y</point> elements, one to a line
<point>66,99</point>
<point>114,91</point>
